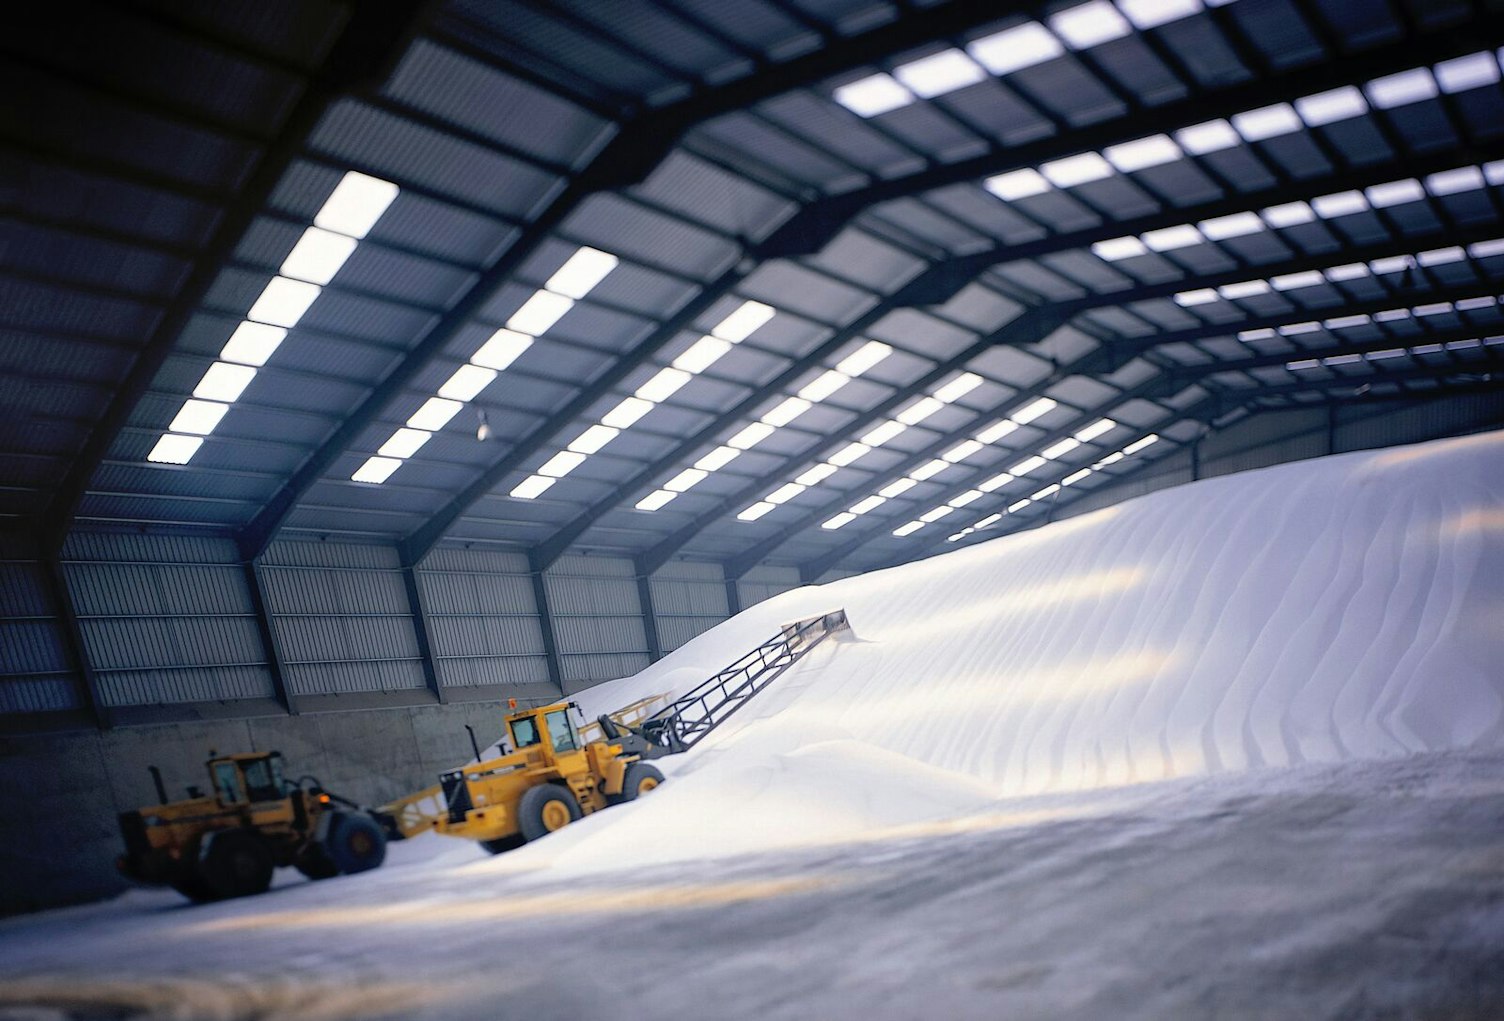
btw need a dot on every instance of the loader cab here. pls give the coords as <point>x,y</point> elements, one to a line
<point>242,779</point>
<point>551,729</point>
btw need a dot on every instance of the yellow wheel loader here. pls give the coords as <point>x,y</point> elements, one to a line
<point>551,777</point>
<point>210,847</point>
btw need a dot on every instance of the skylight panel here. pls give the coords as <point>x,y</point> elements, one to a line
<point>876,94</point>
<point>1402,89</point>
<point>283,302</point>
<point>1014,508</point>
<point>987,522</point>
<point>718,458</point>
<point>839,521</point>
<point>786,411</point>
<point>1027,465</point>
<point>816,474</point>
<point>1348,271</point>
<point>663,385</point>
<point>561,464</point>
<point>1211,136</point>
<point>755,511</point>
<point>539,313</point>
<point>1075,477</point>
<point>897,487</point>
<point>1090,24</point>
<point>1112,458</point>
<point>593,439</point>
<point>1469,72</point>
<point>1137,445</point>
<point>997,481</point>
<point>1266,122</point>
<point>687,479</point>
<point>1049,490</point>
<point>936,513</point>
<point>920,410</point>
<point>1262,333</point>
<point>1346,322</point>
<point>467,381</point>
<point>501,350</point>
<point>1449,182</point>
<point>1097,428</point>
<point>355,205</point>
<point>1029,412</point>
<point>997,430</point>
<point>1014,49</point>
<point>958,388</point>
<point>929,470</point>
<point>655,500</point>
<point>317,256</point>
<point>871,503</point>
<point>198,417</point>
<point>1342,203</point>
<point>849,454</point>
<point>1290,214</point>
<point>1295,281</point>
<point>404,443</point>
<point>864,358</point>
<point>961,451</point>
<point>224,382</point>
<point>1494,171</point>
<point>376,470</point>
<point>751,436</point>
<point>745,321</point>
<point>702,354</point>
<point>1395,193</point>
<point>581,272</point>
<point>1237,225</point>
<point>1143,153</point>
<point>823,385</point>
<point>173,449</point>
<point>1060,449</point>
<point>969,497</point>
<point>1200,296</point>
<point>626,414</point>
<point>936,75</point>
<point>1244,289</point>
<point>1073,170</point>
<point>884,433</point>
<point>1170,238</point>
<point>1117,249</point>
<point>1298,329</point>
<point>434,414</point>
<point>1437,257</point>
<point>252,343</point>
<point>908,529</point>
<point>1484,249</point>
<point>1017,184</point>
<point>532,487</point>
<point>1153,13</point>
<point>1471,304</point>
<point>1329,107</point>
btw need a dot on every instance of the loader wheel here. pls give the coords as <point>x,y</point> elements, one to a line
<point>546,808</point>
<point>503,844</point>
<point>641,777</point>
<point>239,863</point>
<point>355,843</point>
<point>315,863</point>
<point>195,889</point>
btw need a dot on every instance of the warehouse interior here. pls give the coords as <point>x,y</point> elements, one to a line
<point>367,365</point>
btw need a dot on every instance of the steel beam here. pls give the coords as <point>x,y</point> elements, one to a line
<point>271,644</point>
<point>649,614</point>
<point>75,647</point>
<point>371,43</point>
<point>546,627</point>
<point>422,633</point>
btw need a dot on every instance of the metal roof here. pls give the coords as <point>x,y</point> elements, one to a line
<point>1005,223</point>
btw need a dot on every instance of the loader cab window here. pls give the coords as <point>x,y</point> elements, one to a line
<point>561,731</point>
<point>263,779</point>
<point>525,732</point>
<point>227,782</point>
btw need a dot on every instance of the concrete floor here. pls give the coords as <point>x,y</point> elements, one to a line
<point>1363,890</point>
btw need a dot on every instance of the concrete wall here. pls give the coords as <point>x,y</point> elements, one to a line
<point>60,792</point>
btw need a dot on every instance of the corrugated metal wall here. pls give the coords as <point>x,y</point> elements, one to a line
<point>165,619</point>
<point>597,618</point>
<point>764,582</point>
<point>342,618</point>
<point>688,598</point>
<point>35,672</point>
<point>483,619</point>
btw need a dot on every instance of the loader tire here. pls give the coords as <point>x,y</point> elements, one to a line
<point>546,808</point>
<point>355,843</point>
<point>315,863</point>
<point>503,844</point>
<point>237,864</point>
<point>195,889</point>
<point>641,777</point>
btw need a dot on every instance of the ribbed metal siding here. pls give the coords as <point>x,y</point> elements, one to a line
<point>597,618</point>
<point>165,618</point>
<point>483,619</point>
<point>764,582</point>
<point>688,598</point>
<point>342,617</point>
<point>35,675</point>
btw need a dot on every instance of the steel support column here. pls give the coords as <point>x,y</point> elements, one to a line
<point>546,627</point>
<point>73,641</point>
<point>649,615</point>
<point>422,632</point>
<point>272,645</point>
